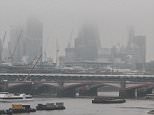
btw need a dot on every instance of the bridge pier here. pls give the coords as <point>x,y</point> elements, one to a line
<point>88,92</point>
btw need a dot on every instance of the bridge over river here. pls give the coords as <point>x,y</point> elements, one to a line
<point>67,85</point>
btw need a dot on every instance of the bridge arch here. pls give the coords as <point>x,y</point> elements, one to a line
<point>32,88</point>
<point>21,88</point>
<point>71,90</point>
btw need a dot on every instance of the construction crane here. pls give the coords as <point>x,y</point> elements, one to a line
<point>35,63</point>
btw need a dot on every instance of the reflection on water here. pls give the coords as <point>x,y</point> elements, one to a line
<point>83,106</point>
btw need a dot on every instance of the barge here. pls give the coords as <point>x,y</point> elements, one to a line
<point>106,100</point>
<point>51,106</point>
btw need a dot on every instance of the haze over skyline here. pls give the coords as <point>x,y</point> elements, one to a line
<point>113,18</point>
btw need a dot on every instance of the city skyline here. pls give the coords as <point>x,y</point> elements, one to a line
<point>76,55</point>
<point>15,32</point>
<point>60,17</point>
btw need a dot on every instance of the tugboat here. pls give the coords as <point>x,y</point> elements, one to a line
<point>10,97</point>
<point>108,100</point>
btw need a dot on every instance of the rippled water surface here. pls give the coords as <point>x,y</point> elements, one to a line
<point>83,106</point>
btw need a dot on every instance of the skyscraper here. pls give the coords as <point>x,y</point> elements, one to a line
<point>33,41</point>
<point>140,46</point>
<point>136,49</point>
<point>87,44</point>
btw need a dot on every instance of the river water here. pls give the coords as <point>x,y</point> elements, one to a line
<point>83,106</point>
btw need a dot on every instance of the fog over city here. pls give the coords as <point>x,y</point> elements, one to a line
<point>61,17</point>
<point>77,57</point>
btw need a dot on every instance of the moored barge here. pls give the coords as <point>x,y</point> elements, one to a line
<point>105,100</point>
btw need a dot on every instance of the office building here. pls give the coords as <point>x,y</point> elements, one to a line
<point>33,40</point>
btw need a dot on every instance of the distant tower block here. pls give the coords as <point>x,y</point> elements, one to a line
<point>87,43</point>
<point>33,42</point>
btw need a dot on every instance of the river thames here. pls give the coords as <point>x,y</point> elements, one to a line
<point>84,106</point>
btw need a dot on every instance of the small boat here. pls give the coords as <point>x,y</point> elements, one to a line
<point>104,100</point>
<point>20,108</point>
<point>6,112</point>
<point>151,112</point>
<point>17,108</point>
<point>10,97</point>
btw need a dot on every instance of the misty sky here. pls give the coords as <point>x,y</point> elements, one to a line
<point>60,17</point>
